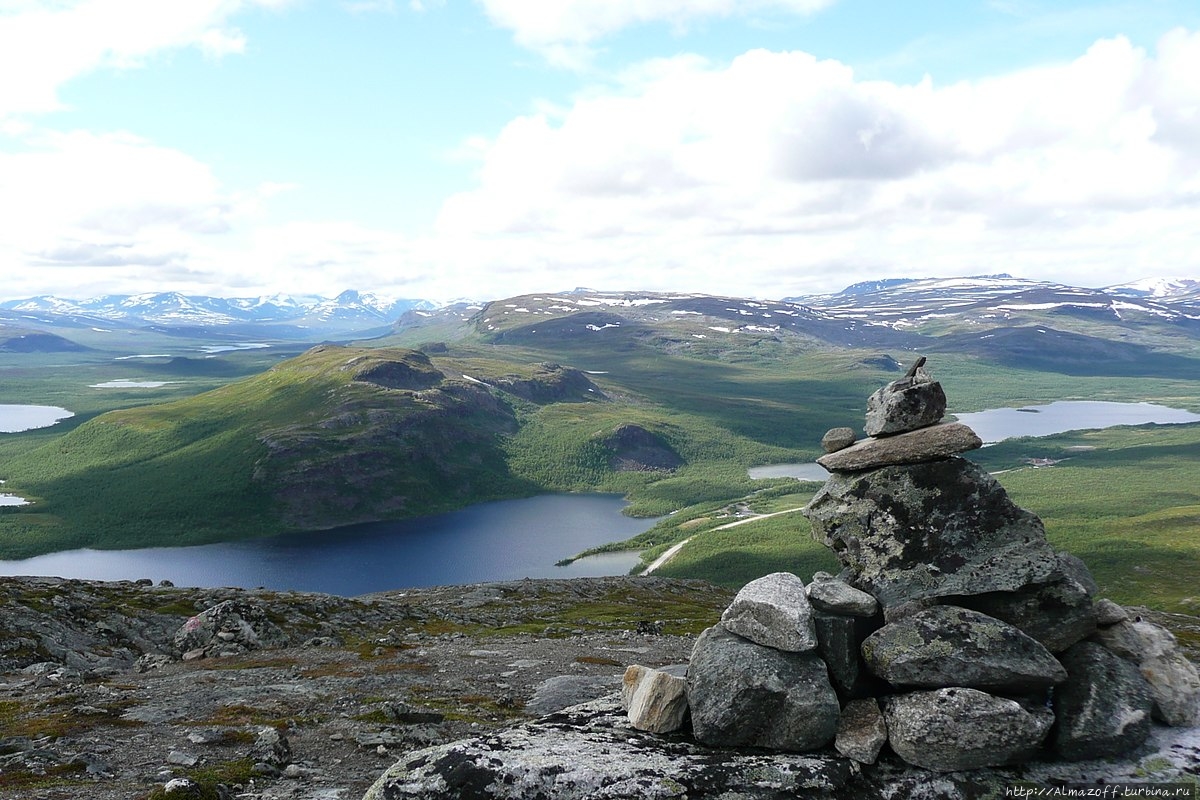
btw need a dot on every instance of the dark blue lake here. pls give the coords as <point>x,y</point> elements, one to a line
<point>504,540</point>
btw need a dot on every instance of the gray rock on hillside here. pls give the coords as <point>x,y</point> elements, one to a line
<point>951,646</point>
<point>937,529</point>
<point>743,694</point>
<point>1058,614</point>
<point>773,611</point>
<point>925,444</point>
<point>957,728</point>
<point>914,401</point>
<point>1103,709</point>
<point>228,628</point>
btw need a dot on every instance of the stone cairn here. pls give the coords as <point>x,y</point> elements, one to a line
<point>954,633</point>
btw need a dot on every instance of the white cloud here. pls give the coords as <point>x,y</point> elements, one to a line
<point>562,29</point>
<point>49,44</point>
<point>786,164</point>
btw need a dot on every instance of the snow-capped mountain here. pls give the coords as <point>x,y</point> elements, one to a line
<point>349,310</point>
<point>912,303</point>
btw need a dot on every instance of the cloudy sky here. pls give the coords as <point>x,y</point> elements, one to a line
<point>485,148</point>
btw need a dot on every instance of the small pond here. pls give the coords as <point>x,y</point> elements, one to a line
<point>16,418</point>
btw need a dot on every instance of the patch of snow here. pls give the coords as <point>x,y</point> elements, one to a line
<point>602,327</point>
<point>718,328</point>
<point>681,313</point>
<point>123,383</point>
<point>143,355</point>
<point>473,380</point>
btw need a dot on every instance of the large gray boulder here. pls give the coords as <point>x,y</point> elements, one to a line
<point>958,728</point>
<point>951,646</point>
<point>1103,709</point>
<point>937,529</point>
<point>914,401</point>
<point>744,694</point>
<point>926,444</point>
<point>1058,614</point>
<point>773,611</point>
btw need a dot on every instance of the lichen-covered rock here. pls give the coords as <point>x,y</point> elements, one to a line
<point>655,701</point>
<point>861,732</point>
<point>1103,709</point>
<point>952,646</point>
<point>914,401</point>
<point>937,529</point>
<point>588,752</point>
<point>959,728</point>
<point>773,611</point>
<point>925,444</point>
<point>839,597</point>
<point>228,628</point>
<point>1058,614</point>
<point>744,694</point>
<point>1109,613</point>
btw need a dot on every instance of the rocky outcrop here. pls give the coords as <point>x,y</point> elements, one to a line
<point>228,628</point>
<point>551,383</point>
<point>634,449</point>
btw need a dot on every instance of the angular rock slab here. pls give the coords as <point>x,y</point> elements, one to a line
<point>951,646</point>
<point>862,732</point>
<point>654,700</point>
<point>937,529</point>
<point>744,694</point>
<point>912,402</point>
<point>1103,709</point>
<point>773,611</point>
<point>958,728</point>
<point>937,441</point>
<point>1058,614</point>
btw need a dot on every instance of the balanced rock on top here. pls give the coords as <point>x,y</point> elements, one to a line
<point>915,401</point>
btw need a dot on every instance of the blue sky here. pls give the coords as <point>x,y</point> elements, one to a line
<point>486,148</point>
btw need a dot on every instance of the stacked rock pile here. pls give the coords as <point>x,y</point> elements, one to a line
<point>954,634</point>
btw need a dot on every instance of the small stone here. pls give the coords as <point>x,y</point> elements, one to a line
<point>179,758</point>
<point>861,732</point>
<point>773,611</point>
<point>1109,613</point>
<point>837,439</point>
<point>657,700</point>
<point>838,597</point>
<point>182,787</point>
<point>271,747</point>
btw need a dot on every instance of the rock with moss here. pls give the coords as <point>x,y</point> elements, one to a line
<point>951,646</point>
<point>937,529</point>
<point>228,628</point>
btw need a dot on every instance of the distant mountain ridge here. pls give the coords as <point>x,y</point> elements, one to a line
<point>349,309</point>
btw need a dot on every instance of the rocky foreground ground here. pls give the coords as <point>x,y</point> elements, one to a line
<point>98,701</point>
